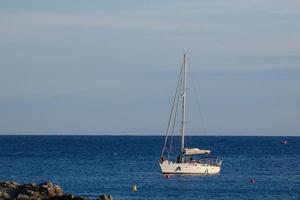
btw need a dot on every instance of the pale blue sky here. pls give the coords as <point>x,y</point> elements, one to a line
<point>110,67</point>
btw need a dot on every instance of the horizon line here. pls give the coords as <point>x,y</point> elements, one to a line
<point>146,135</point>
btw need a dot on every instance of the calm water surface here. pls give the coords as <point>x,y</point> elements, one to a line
<point>93,165</point>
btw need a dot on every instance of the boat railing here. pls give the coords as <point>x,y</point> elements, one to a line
<point>210,161</point>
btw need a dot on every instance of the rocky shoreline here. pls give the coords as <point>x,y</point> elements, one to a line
<point>11,190</point>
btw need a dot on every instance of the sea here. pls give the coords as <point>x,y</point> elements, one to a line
<point>93,165</point>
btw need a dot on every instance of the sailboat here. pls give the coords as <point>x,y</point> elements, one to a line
<point>184,160</point>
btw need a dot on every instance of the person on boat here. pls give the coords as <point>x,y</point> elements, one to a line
<point>178,159</point>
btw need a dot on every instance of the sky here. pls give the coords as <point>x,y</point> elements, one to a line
<point>110,67</point>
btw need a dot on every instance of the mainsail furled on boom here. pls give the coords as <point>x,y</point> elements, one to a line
<point>195,151</point>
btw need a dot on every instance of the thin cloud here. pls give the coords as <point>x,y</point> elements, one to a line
<point>22,22</point>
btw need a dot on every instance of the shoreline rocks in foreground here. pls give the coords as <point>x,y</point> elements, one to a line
<point>10,190</point>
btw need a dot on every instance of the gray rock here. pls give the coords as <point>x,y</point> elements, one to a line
<point>30,185</point>
<point>69,197</point>
<point>27,191</point>
<point>4,195</point>
<point>10,190</point>
<point>10,184</point>
<point>23,197</point>
<point>105,197</point>
<point>54,191</point>
<point>46,184</point>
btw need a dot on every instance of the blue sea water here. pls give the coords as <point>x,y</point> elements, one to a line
<point>93,165</point>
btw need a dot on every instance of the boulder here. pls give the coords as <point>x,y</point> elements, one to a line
<point>9,184</point>
<point>68,197</point>
<point>4,195</point>
<point>46,184</point>
<point>27,191</point>
<point>105,197</point>
<point>54,191</point>
<point>23,197</point>
<point>44,191</point>
<point>10,190</point>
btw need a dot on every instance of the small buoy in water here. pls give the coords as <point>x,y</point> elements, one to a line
<point>167,176</point>
<point>284,141</point>
<point>115,153</point>
<point>252,180</point>
<point>134,188</point>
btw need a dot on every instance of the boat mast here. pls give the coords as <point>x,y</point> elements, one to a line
<point>183,105</point>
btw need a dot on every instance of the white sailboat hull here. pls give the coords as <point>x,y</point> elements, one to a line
<point>189,168</point>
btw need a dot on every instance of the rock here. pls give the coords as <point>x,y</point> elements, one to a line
<point>50,190</point>
<point>27,191</point>
<point>9,184</point>
<point>30,185</point>
<point>69,197</point>
<point>46,184</point>
<point>10,190</point>
<point>23,197</point>
<point>54,191</point>
<point>4,195</point>
<point>105,197</point>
